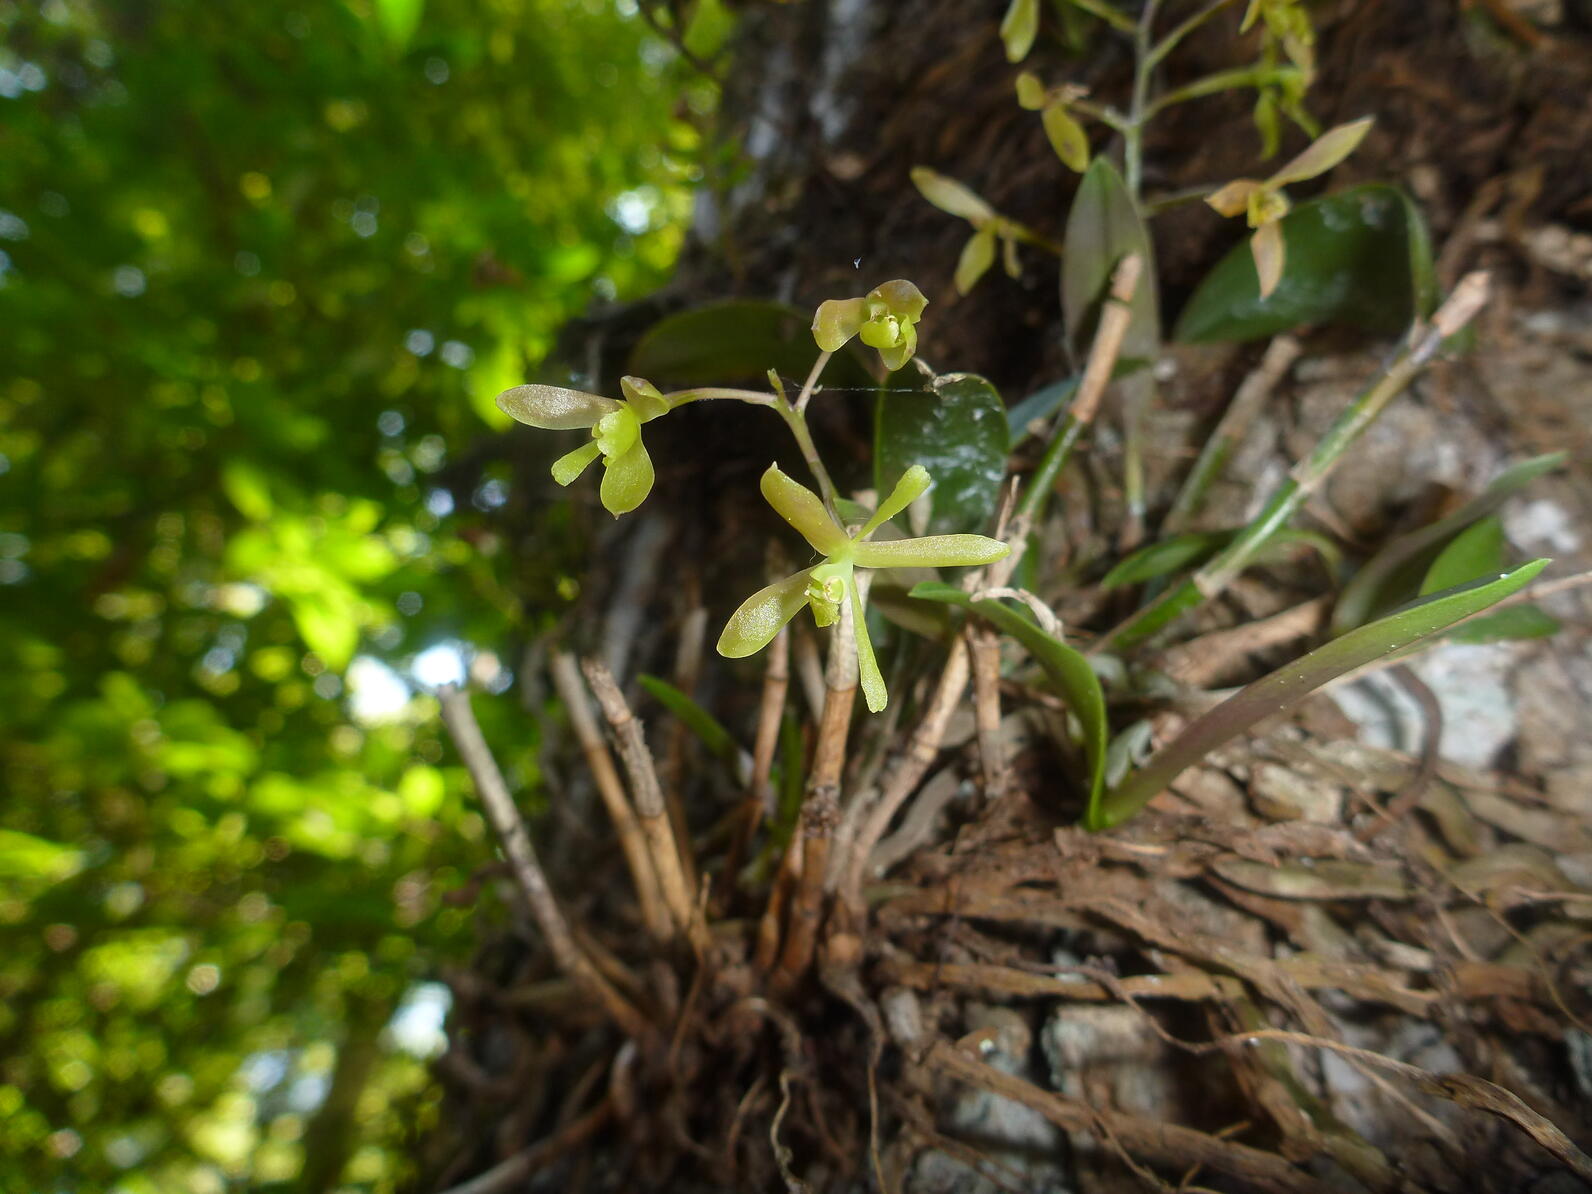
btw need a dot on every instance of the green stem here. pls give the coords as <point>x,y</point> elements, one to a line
<point>1307,476</point>
<point>1143,69</point>
<point>706,393</point>
<point>810,385</point>
<point>1224,80</point>
<point>1032,507</point>
<point>797,422</point>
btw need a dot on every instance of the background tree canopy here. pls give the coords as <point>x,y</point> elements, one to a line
<point>263,268</point>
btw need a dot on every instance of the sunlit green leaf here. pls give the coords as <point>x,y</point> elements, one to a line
<point>1281,690</point>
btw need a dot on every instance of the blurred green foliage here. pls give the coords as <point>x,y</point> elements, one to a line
<point>263,268</point>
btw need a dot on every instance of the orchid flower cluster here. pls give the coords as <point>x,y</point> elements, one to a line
<point>885,319</point>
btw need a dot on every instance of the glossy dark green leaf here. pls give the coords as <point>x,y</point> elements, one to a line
<point>1394,574</point>
<point>956,428</point>
<point>738,340</point>
<point>1103,227</point>
<point>1288,685</point>
<point>1066,668</point>
<point>1361,257</point>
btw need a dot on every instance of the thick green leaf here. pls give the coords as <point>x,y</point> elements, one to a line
<point>1361,257</point>
<point>1475,552</point>
<point>741,339</point>
<point>956,428</point>
<point>1288,685</point>
<point>1394,574</point>
<point>1103,227</point>
<point>1067,669</point>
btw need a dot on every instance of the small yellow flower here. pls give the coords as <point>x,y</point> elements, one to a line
<point>1265,205</point>
<point>885,319</point>
<point>615,430</point>
<point>825,585</point>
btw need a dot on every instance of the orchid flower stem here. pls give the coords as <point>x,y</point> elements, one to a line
<point>1308,475</point>
<point>1138,111</point>
<point>811,384</point>
<point>797,422</point>
<point>704,393</point>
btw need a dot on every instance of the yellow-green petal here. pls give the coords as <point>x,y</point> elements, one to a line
<point>873,690</point>
<point>644,398</point>
<point>553,408</point>
<point>836,321</point>
<point>803,509</point>
<point>762,615</point>
<point>951,196</point>
<point>931,551</point>
<point>900,353</point>
<point>1322,154</point>
<point>901,298</point>
<point>977,256</point>
<point>627,480</point>
<point>907,490</point>
<point>571,465</point>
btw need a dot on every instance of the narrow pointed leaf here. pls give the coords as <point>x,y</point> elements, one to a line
<point>1066,668</point>
<point>1290,684</point>
<point>761,616</point>
<point>719,741</point>
<point>955,427</point>
<point>803,509</point>
<point>1394,573</point>
<point>554,408</point>
<point>1163,558</point>
<point>932,551</point>
<point>1508,625</point>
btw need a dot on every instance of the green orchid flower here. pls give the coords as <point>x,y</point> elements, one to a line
<point>615,431</point>
<point>1263,202</point>
<point>826,584</point>
<point>886,319</point>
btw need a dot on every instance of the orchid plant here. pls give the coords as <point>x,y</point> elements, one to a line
<point>885,319</point>
<point>830,582</point>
